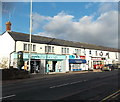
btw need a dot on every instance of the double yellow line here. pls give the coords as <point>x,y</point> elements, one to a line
<point>111,96</point>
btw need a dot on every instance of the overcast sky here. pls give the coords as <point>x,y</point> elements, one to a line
<point>89,22</point>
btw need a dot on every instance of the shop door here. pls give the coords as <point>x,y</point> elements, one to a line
<point>54,65</point>
<point>35,66</point>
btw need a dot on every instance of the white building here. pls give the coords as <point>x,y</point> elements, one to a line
<point>53,55</point>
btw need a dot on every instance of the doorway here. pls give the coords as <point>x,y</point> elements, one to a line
<point>54,65</point>
<point>35,66</point>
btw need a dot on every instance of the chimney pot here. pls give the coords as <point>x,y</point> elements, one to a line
<point>8,26</point>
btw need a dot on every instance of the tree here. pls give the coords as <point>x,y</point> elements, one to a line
<point>4,62</point>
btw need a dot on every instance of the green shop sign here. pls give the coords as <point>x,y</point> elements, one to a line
<point>40,56</point>
<point>47,56</point>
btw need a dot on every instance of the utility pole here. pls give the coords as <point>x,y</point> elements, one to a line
<point>30,35</point>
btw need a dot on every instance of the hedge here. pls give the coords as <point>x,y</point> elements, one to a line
<point>14,73</point>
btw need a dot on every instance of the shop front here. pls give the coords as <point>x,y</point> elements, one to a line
<point>76,63</point>
<point>41,63</point>
<point>98,62</point>
<point>55,63</point>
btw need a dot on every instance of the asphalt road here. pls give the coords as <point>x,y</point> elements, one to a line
<point>100,86</point>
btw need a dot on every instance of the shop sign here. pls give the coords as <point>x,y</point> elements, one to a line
<point>48,56</point>
<point>96,59</point>
<point>77,61</point>
<point>40,56</point>
<point>82,57</point>
<point>72,56</point>
<point>101,53</point>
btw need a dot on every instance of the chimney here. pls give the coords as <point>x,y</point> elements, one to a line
<point>8,26</point>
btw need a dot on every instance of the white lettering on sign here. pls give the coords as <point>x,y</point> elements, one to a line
<point>78,61</point>
<point>96,59</point>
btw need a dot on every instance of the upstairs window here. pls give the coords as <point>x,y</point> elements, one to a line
<point>90,52</point>
<point>116,56</point>
<point>65,50</point>
<point>49,49</point>
<point>62,50</point>
<point>53,49</point>
<point>96,53</point>
<point>68,50</point>
<point>24,47</point>
<point>34,47</point>
<point>76,50</point>
<point>29,47</point>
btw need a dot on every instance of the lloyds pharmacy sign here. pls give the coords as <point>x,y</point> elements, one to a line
<point>39,56</point>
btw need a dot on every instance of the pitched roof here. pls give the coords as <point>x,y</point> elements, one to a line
<point>53,41</point>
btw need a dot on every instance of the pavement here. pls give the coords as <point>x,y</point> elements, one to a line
<point>35,76</point>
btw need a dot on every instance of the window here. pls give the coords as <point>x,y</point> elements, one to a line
<point>116,56</point>
<point>62,50</point>
<point>84,52</point>
<point>67,50</point>
<point>90,52</point>
<point>52,49</point>
<point>76,50</point>
<point>34,47</point>
<point>96,53</point>
<point>29,47</point>
<point>46,49</point>
<point>108,55</point>
<point>25,47</point>
<point>49,49</point>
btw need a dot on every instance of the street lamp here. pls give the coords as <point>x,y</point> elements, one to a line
<point>30,34</point>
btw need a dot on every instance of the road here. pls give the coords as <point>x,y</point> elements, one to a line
<point>100,86</point>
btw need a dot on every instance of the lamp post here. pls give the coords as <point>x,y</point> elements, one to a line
<point>30,34</point>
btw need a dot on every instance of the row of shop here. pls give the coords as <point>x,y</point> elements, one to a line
<point>47,63</point>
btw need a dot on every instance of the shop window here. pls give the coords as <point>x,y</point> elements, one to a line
<point>25,47</point>
<point>34,47</point>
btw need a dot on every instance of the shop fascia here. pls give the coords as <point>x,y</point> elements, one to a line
<point>40,56</point>
<point>77,59</point>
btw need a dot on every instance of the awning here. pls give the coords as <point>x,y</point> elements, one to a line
<point>77,61</point>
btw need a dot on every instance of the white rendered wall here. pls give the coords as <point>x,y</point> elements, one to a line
<point>7,45</point>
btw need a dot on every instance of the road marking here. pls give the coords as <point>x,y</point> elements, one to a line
<point>80,91</point>
<point>7,96</point>
<point>66,84</point>
<point>112,95</point>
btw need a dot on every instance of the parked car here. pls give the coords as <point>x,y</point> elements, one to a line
<point>107,67</point>
<point>116,66</point>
